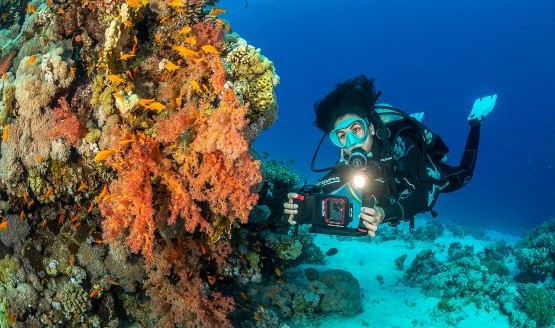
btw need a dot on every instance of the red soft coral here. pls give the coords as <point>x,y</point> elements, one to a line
<point>130,205</point>
<point>184,299</point>
<point>220,169</point>
<point>66,124</point>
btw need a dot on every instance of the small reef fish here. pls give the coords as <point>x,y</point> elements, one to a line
<point>170,66</point>
<point>103,193</point>
<point>49,192</point>
<point>115,78</point>
<point>31,9</point>
<point>185,30</point>
<point>216,11</point>
<point>3,225</point>
<point>191,40</point>
<point>32,60</point>
<point>332,251</point>
<point>184,51</point>
<point>178,99</point>
<point>135,42</point>
<point>151,104</point>
<point>127,56</point>
<point>175,3</point>
<point>95,292</point>
<point>137,4</point>
<point>127,23</point>
<point>165,19</point>
<point>209,49</point>
<point>72,71</point>
<point>196,86</point>
<point>104,154</point>
<point>6,133</point>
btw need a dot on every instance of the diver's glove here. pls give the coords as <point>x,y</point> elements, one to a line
<point>482,107</point>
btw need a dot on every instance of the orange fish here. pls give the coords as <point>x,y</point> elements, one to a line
<point>136,3</point>
<point>49,2</point>
<point>164,19</point>
<point>127,56</point>
<point>32,60</point>
<point>3,225</point>
<point>170,66</point>
<point>185,30</point>
<point>209,49</point>
<point>135,42</point>
<point>211,280</point>
<point>175,3</point>
<point>72,71</point>
<point>125,142</point>
<point>103,154</point>
<point>191,40</point>
<point>115,78</point>
<point>104,192</point>
<point>178,99</point>
<point>74,218</point>
<point>61,11</point>
<point>185,52</point>
<point>30,203</point>
<point>48,192</point>
<point>82,187</point>
<point>6,133</point>
<point>119,96</point>
<point>144,102</point>
<point>216,11</point>
<point>157,106</point>
<point>127,23</point>
<point>110,281</point>
<point>89,209</point>
<point>31,9</point>
<point>95,292</point>
<point>196,86</point>
<point>21,215</point>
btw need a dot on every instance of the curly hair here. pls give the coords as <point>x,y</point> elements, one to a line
<point>354,96</point>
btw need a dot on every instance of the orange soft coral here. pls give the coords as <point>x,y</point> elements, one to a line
<point>130,205</point>
<point>220,169</point>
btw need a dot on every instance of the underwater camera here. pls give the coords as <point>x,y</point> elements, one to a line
<point>331,214</point>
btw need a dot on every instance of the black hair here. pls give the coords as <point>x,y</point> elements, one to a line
<point>355,96</point>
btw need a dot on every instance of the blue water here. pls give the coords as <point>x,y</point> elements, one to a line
<point>433,56</point>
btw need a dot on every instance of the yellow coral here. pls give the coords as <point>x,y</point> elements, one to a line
<point>253,77</point>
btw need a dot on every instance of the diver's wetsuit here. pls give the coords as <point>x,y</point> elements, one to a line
<point>418,180</point>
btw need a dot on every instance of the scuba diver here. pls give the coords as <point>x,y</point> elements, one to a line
<point>401,163</point>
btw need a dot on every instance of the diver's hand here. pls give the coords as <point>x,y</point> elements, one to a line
<point>290,208</point>
<point>371,218</point>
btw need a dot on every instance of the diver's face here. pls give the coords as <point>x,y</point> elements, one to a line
<point>350,128</point>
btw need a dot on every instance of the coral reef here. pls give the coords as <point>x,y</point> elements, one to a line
<point>125,165</point>
<point>536,252</point>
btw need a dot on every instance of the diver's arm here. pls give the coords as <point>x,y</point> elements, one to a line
<point>414,193</point>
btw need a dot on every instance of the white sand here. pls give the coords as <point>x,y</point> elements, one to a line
<point>394,304</point>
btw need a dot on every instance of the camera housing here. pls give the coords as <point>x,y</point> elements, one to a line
<point>327,214</point>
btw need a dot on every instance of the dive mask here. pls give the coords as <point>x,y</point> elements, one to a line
<point>349,132</point>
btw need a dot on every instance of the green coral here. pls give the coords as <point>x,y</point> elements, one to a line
<point>8,267</point>
<point>75,302</point>
<point>288,248</point>
<point>102,95</point>
<point>539,305</point>
<point>279,172</point>
<point>253,77</point>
